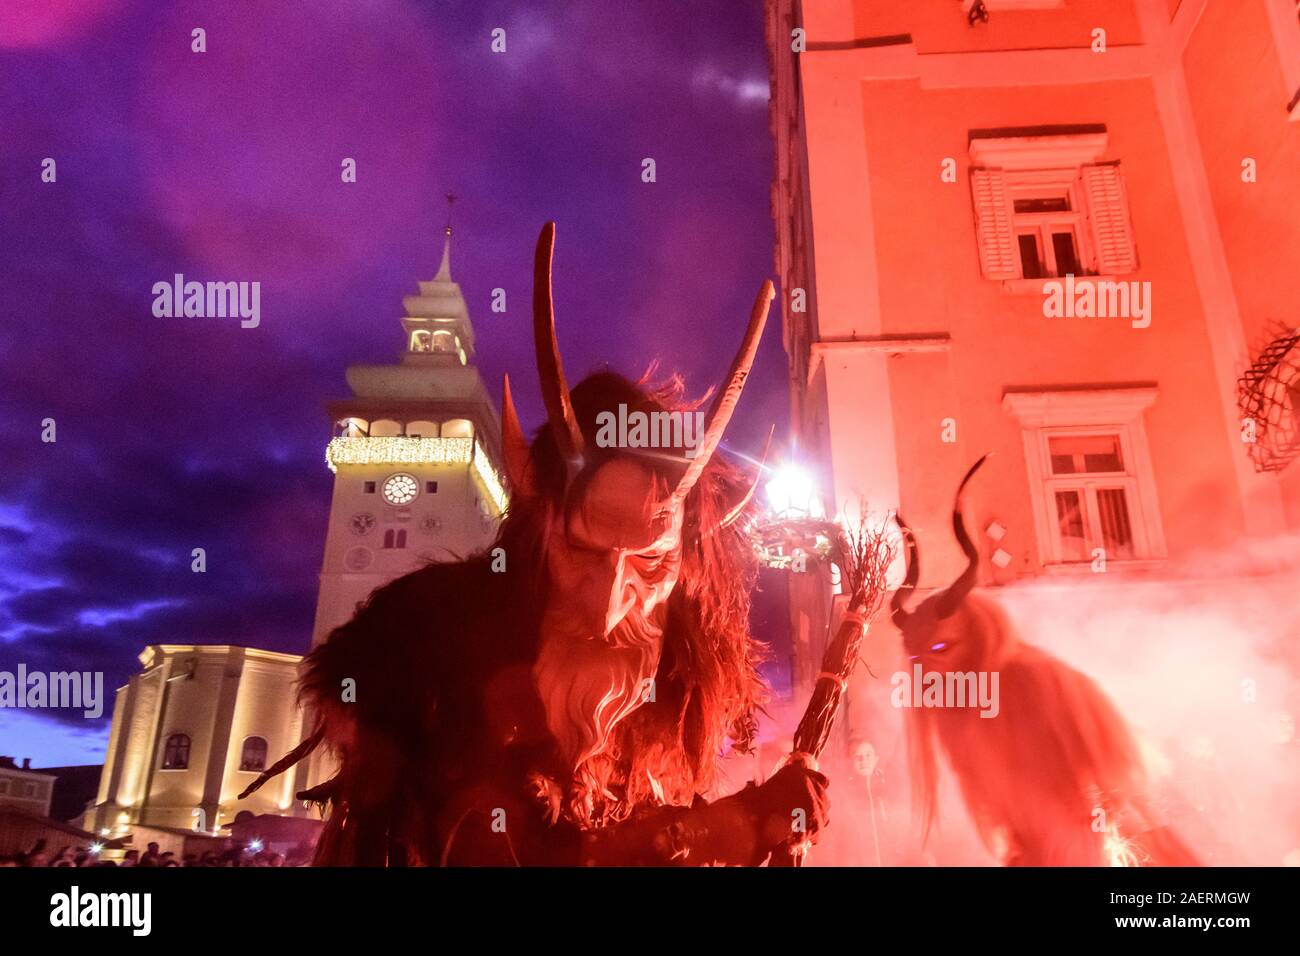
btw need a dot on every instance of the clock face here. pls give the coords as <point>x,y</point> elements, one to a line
<point>400,489</point>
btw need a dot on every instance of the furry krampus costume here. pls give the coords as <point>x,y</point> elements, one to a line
<point>563,697</point>
<point>1055,778</point>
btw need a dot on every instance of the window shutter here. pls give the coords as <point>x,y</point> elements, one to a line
<point>993,229</point>
<point>1108,219</point>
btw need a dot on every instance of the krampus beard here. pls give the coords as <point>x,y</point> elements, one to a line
<point>587,685</point>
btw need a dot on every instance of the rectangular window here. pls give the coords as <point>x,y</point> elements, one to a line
<point>1079,454</point>
<point>369,487</point>
<point>1091,479</point>
<point>1046,224</point>
<point>1063,250</point>
<point>1051,204</point>
<point>1113,519</point>
<point>1069,520</point>
<point>1031,260</point>
<point>1046,207</point>
<point>431,487</point>
<point>1091,512</point>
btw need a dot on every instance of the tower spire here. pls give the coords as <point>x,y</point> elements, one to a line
<point>444,270</point>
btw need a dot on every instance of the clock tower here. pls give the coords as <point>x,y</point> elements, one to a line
<point>415,454</point>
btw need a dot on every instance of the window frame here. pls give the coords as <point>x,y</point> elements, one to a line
<point>1087,484</point>
<point>1039,162</point>
<point>167,750</point>
<point>1049,184</point>
<point>243,750</point>
<point>1043,415</point>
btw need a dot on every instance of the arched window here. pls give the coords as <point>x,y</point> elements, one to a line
<point>395,538</point>
<point>176,755</point>
<point>420,341</point>
<point>444,341</point>
<point>458,428</point>
<point>253,756</point>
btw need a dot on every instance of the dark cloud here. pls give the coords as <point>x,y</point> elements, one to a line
<point>174,434</point>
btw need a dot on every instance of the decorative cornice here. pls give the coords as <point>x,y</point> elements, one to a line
<point>1039,151</point>
<point>1082,406</point>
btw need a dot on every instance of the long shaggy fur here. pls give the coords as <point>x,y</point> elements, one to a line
<point>441,659</point>
<point>1035,776</point>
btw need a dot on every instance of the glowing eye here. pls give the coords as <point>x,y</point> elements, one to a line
<point>938,647</point>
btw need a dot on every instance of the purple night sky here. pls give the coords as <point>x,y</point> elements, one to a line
<point>183,433</point>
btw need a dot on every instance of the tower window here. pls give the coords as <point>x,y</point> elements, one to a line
<point>253,755</point>
<point>458,428</point>
<point>369,487</point>
<point>431,487</point>
<point>395,538</point>
<point>176,754</point>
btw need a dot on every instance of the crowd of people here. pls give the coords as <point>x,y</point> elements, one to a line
<point>252,854</point>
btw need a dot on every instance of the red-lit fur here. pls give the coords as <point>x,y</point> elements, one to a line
<point>1035,776</point>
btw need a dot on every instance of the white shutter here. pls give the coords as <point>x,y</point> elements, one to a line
<point>1108,219</point>
<point>993,228</point>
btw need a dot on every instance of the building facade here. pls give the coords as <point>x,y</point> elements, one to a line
<point>1049,230</point>
<point>23,789</point>
<point>1060,232</point>
<point>190,731</point>
<point>415,454</point>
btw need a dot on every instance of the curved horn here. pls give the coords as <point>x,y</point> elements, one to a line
<point>950,598</point>
<point>550,370</point>
<point>739,507</point>
<point>514,445</point>
<point>897,611</point>
<point>725,403</point>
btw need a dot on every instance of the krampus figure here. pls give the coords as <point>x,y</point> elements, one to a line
<point>564,697</point>
<point>1055,778</point>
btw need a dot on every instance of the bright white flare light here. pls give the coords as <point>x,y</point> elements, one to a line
<point>255,846</point>
<point>792,494</point>
<point>96,847</point>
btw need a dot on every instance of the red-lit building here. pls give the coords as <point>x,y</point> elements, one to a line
<point>938,166</point>
<point>1063,232</point>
